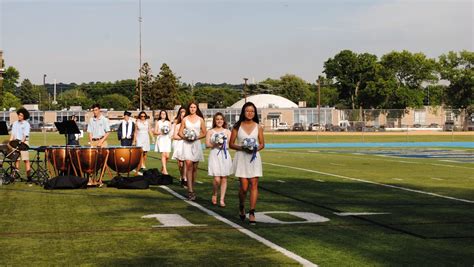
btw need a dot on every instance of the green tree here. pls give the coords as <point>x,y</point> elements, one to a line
<point>185,94</point>
<point>146,82</point>
<point>114,101</point>
<point>351,72</point>
<point>294,88</point>
<point>404,73</point>
<point>10,79</point>
<point>165,89</point>
<point>26,93</point>
<point>216,97</point>
<point>74,97</point>
<point>457,68</point>
<point>9,100</point>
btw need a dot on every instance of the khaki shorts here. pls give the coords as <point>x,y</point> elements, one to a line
<point>25,155</point>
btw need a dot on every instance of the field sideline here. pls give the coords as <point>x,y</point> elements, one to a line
<point>372,206</point>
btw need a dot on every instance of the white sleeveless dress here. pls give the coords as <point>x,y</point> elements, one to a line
<point>177,146</point>
<point>143,137</point>
<point>193,150</point>
<point>163,141</point>
<point>242,167</point>
<point>220,164</point>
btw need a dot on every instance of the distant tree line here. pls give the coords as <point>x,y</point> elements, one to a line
<point>397,80</point>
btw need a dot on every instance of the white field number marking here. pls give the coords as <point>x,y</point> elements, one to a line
<point>171,220</point>
<point>308,217</point>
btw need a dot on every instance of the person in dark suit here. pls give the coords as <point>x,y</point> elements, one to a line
<point>126,130</point>
<point>73,139</point>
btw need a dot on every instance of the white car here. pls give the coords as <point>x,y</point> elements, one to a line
<point>283,126</point>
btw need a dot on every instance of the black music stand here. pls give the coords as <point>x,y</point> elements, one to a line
<point>3,128</point>
<point>67,128</point>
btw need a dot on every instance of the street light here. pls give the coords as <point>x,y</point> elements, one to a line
<point>245,89</point>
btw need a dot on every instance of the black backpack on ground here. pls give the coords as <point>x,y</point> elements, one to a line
<point>66,182</point>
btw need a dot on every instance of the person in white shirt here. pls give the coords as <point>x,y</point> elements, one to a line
<point>98,128</point>
<point>126,130</point>
<point>21,132</point>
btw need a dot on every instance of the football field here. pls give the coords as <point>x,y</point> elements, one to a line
<point>331,206</point>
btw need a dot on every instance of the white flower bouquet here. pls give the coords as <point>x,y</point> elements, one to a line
<point>218,138</point>
<point>190,134</point>
<point>249,144</point>
<point>165,129</point>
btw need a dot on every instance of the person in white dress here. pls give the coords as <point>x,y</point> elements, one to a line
<point>192,129</point>
<point>220,162</point>
<point>142,136</point>
<point>178,145</point>
<point>247,164</point>
<point>163,140</point>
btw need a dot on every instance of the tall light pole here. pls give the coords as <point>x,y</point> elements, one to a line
<point>319,100</point>
<point>140,51</point>
<point>245,89</point>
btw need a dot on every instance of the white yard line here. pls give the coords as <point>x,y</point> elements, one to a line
<point>373,157</point>
<point>371,182</point>
<point>439,179</point>
<point>249,233</point>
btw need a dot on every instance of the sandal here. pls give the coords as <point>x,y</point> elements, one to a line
<point>242,212</point>
<point>252,213</point>
<point>222,204</point>
<point>214,199</point>
<point>191,196</point>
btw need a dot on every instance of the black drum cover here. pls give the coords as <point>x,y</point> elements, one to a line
<point>66,182</point>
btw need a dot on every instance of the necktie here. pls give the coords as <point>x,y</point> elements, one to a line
<point>126,128</point>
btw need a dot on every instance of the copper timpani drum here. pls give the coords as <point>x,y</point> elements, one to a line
<point>123,159</point>
<point>58,157</point>
<point>90,161</point>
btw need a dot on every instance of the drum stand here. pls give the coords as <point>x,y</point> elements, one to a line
<point>11,173</point>
<point>40,174</point>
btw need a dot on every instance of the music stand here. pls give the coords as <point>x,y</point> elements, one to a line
<point>3,128</point>
<point>67,128</point>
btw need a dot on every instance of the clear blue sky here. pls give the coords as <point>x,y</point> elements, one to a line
<point>219,41</point>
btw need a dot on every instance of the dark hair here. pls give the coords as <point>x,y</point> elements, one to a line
<point>142,112</point>
<point>198,111</point>
<point>26,114</point>
<point>242,115</point>
<point>214,125</point>
<point>72,117</point>
<point>178,116</point>
<point>96,105</point>
<point>166,113</point>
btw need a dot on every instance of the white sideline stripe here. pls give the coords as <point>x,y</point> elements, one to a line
<point>374,158</point>
<point>199,182</point>
<point>359,213</point>
<point>281,181</point>
<point>371,182</point>
<point>439,179</point>
<point>398,179</point>
<point>336,164</point>
<point>251,234</point>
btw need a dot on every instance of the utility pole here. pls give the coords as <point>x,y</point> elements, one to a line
<point>245,89</point>
<point>319,100</point>
<point>140,52</point>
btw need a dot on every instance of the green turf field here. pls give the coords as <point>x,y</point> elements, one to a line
<point>425,209</point>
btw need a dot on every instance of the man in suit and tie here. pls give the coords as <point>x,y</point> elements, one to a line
<point>126,130</point>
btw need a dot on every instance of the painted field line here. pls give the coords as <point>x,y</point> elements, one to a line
<point>337,164</point>
<point>243,230</point>
<point>371,182</point>
<point>398,179</point>
<point>281,181</point>
<point>360,213</point>
<point>439,179</point>
<point>374,157</point>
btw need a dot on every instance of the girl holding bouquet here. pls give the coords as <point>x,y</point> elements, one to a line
<point>163,140</point>
<point>247,163</point>
<point>142,135</point>
<point>178,145</point>
<point>220,162</point>
<point>192,130</point>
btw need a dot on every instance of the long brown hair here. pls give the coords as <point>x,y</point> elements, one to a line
<point>214,125</point>
<point>198,111</point>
